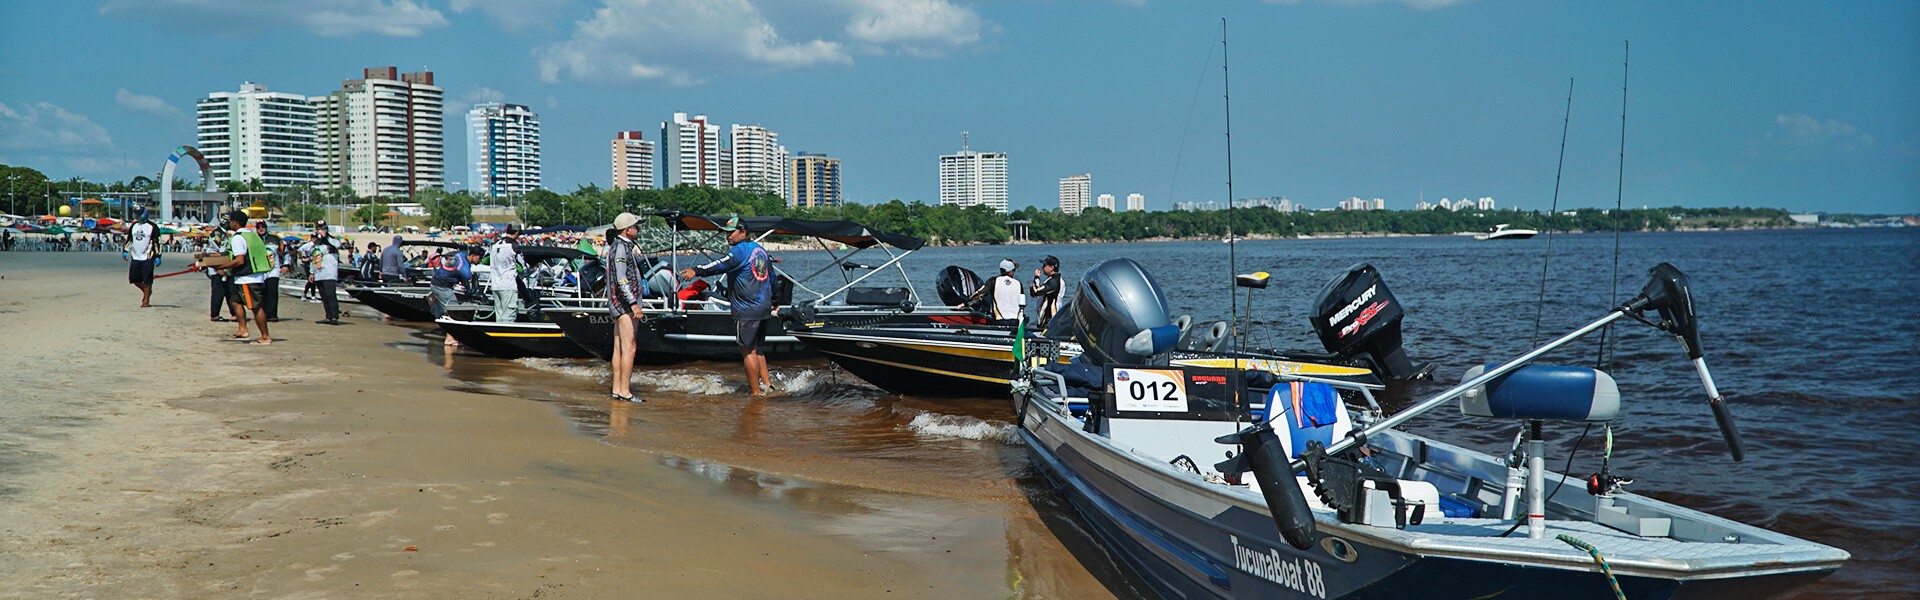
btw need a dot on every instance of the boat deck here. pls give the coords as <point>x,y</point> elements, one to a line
<point>1620,548</point>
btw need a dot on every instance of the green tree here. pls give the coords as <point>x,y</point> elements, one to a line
<point>370,214</point>
<point>303,213</point>
<point>445,209</point>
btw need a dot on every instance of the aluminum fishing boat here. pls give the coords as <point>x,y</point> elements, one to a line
<point>1132,439</point>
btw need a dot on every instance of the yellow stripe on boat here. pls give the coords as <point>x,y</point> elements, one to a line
<point>923,369</point>
<point>1282,367</point>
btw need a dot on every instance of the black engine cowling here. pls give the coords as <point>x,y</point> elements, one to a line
<point>1356,314</point>
<point>955,285</point>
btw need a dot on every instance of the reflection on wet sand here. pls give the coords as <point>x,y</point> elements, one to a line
<point>617,415</point>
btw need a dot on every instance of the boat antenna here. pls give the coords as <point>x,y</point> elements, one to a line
<point>1226,96</point>
<point>1619,192</point>
<point>1540,306</point>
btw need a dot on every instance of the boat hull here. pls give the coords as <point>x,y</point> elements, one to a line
<point>969,361</point>
<point>513,340</point>
<point>670,338</point>
<point>1192,539</point>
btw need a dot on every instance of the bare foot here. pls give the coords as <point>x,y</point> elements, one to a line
<point>264,341</point>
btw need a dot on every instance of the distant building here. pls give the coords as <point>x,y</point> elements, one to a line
<point>632,161</point>
<point>257,134</point>
<point>816,181</point>
<point>1105,201</point>
<point>970,178</point>
<point>1075,193</point>
<point>1806,218</point>
<point>1485,203</point>
<point>503,149</point>
<point>1136,202</point>
<point>689,152</point>
<point>1197,205</point>
<point>382,135</point>
<point>758,162</point>
<point>1423,205</point>
<point>1278,203</point>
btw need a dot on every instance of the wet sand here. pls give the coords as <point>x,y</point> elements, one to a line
<point>146,457</point>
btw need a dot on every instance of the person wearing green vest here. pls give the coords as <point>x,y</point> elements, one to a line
<point>249,264</point>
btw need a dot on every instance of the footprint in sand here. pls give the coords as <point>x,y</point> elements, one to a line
<point>485,499</point>
<point>377,517</point>
<point>405,573</point>
<point>343,556</point>
<point>496,518</point>
<point>315,574</point>
<point>443,528</point>
<point>484,544</point>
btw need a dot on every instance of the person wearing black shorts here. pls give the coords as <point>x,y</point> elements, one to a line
<point>143,250</point>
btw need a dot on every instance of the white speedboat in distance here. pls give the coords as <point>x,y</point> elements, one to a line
<point>1503,232</point>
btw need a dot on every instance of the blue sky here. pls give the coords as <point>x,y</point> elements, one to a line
<point>1799,105</point>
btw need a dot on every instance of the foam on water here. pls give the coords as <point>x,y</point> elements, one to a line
<point>688,382</point>
<point>567,366</point>
<point>796,382</point>
<point>960,427</point>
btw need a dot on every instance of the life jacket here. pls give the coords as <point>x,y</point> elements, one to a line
<point>258,259</point>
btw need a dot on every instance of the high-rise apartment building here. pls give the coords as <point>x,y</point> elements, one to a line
<point>971,178</point>
<point>1136,202</point>
<point>382,135</point>
<point>1075,193</point>
<point>1104,201</point>
<point>759,162</point>
<point>257,134</point>
<point>503,149</point>
<point>632,161</point>
<point>816,181</point>
<point>689,152</point>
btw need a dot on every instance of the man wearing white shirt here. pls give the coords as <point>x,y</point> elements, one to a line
<point>143,253</point>
<point>505,277</point>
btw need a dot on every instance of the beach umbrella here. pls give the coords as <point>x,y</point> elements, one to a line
<point>93,201</point>
<point>56,230</point>
<point>169,231</point>
<point>49,218</point>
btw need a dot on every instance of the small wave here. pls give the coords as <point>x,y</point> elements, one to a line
<point>704,384</point>
<point>800,382</point>
<point>960,427</point>
<point>567,366</point>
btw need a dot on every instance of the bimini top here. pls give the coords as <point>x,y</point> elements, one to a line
<point>845,232</point>
<point>538,253</point>
<point>554,229</point>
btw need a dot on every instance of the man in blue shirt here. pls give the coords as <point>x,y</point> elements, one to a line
<point>455,268</point>
<point>750,292</point>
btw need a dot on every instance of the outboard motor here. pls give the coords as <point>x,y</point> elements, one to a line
<point>1356,314</point>
<point>1120,316</point>
<point>593,277</point>
<point>956,285</point>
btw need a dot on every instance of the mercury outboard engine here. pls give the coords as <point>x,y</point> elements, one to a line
<point>1120,316</point>
<point>1356,314</point>
<point>956,285</point>
<point>593,277</point>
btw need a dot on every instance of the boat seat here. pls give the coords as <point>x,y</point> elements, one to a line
<point>1211,337</point>
<point>1543,392</point>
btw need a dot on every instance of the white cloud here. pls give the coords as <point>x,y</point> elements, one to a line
<point>688,42</point>
<point>329,18</point>
<point>114,165</point>
<point>1416,4</point>
<point>552,103</point>
<point>476,95</point>
<point>514,15</point>
<point>44,127</point>
<point>147,104</point>
<point>1808,132</point>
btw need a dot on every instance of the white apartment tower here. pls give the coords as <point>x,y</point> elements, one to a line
<point>1105,201</point>
<point>257,134</point>
<point>759,162</point>
<point>1075,192</point>
<point>689,152</point>
<point>382,135</point>
<point>1136,203</point>
<point>503,149</point>
<point>632,161</point>
<point>971,178</point>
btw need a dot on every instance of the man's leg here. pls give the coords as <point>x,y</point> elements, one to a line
<point>759,360</point>
<point>753,374</point>
<point>241,306</point>
<point>623,356</point>
<point>270,297</point>
<point>260,312</point>
<point>329,298</point>
<point>503,308</point>
<point>219,297</point>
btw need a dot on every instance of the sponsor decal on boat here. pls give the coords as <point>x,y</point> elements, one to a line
<point>1300,575</point>
<point>1355,305</point>
<point>1365,315</point>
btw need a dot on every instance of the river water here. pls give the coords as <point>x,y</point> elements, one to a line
<point>1814,335</point>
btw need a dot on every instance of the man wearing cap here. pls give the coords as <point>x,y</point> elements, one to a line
<point>1046,287</point>
<point>248,262</point>
<point>323,271</point>
<point>1003,294</point>
<point>750,292</point>
<point>624,292</point>
<point>505,276</point>
<point>142,252</point>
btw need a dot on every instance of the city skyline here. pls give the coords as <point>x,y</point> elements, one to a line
<point>1801,107</point>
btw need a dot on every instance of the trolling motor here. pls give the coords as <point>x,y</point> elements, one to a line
<point>1668,293</point>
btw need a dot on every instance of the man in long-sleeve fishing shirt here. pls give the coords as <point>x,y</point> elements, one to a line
<point>624,292</point>
<point>750,292</point>
<point>393,264</point>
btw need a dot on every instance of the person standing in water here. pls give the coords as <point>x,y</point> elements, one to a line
<point>750,284</point>
<point>625,290</point>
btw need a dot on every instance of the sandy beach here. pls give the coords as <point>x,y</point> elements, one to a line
<point>146,457</point>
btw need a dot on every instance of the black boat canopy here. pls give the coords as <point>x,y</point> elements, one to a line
<point>555,229</point>
<point>538,253</point>
<point>437,243</point>
<point>845,232</point>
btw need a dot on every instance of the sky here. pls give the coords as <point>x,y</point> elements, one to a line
<point>1799,105</point>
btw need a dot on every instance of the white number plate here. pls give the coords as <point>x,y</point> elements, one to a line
<point>1149,390</point>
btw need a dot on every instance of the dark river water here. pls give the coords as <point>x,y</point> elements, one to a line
<point>1813,335</point>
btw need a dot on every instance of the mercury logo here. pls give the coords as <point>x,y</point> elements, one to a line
<point>1302,576</point>
<point>1355,305</point>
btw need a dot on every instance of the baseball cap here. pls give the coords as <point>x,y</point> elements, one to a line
<point>237,215</point>
<point>625,220</point>
<point>1050,261</point>
<point>732,224</point>
<point>1007,264</point>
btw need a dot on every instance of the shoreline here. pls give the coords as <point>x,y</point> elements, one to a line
<point>341,461</point>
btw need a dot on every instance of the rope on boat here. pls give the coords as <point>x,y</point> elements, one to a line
<point>1597,559</point>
